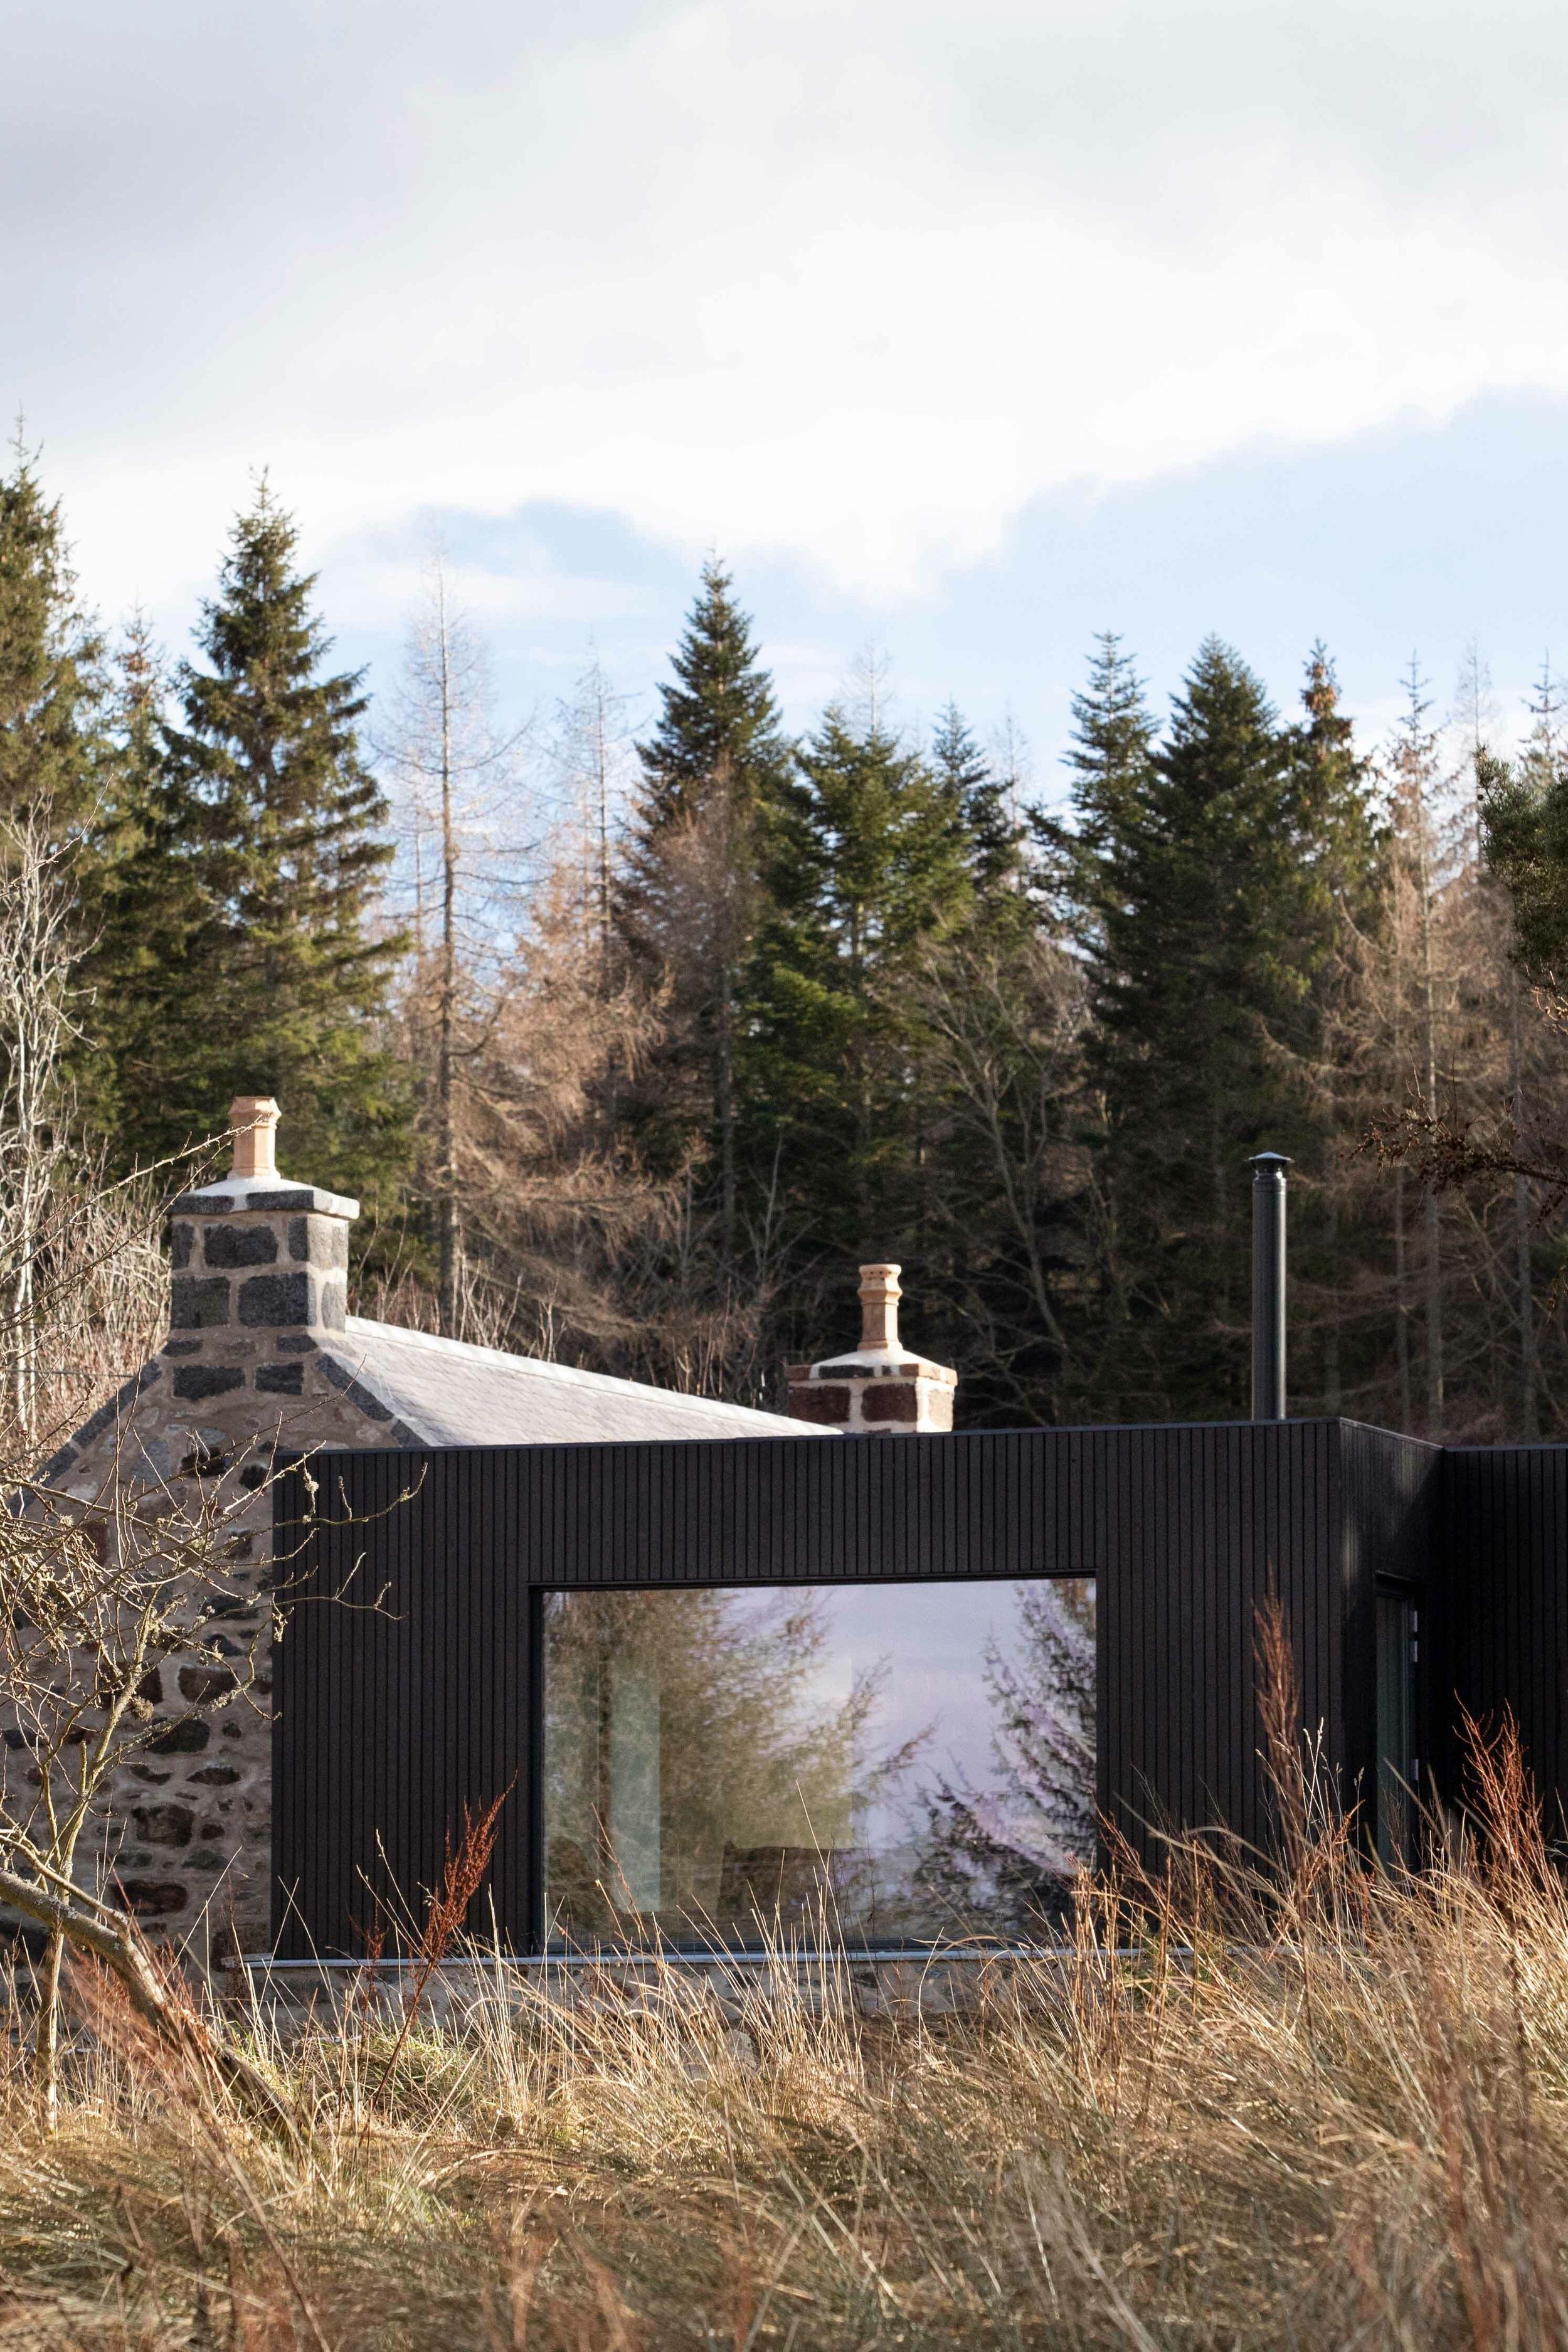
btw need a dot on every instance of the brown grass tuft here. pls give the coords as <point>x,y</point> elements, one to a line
<point>1328,2109</point>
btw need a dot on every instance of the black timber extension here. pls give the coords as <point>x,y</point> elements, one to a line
<point>407,1683</point>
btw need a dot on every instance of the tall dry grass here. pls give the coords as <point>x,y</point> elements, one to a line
<point>1327,2111</point>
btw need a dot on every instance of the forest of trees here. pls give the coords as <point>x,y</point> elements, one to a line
<point>633,1049</point>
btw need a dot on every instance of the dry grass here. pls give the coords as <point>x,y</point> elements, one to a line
<point>1333,2115</point>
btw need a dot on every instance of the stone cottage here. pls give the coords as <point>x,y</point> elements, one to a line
<point>262,1353</point>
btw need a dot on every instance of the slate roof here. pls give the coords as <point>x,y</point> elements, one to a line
<point>447,1392</point>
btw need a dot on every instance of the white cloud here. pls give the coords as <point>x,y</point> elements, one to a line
<point>850,282</point>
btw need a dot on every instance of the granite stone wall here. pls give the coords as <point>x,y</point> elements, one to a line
<point>257,1358</point>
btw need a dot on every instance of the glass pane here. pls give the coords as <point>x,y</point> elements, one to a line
<point>893,1764</point>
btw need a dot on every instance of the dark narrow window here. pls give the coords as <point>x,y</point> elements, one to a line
<point>888,1764</point>
<point>1397,1762</point>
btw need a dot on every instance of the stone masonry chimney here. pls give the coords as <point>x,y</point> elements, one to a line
<point>260,1270</point>
<point>880,1388</point>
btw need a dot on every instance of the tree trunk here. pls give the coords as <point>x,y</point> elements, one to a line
<point>1434,1262</point>
<point>46,2038</point>
<point>1528,1424</point>
<point>1400,1303</point>
<point>445,1150</point>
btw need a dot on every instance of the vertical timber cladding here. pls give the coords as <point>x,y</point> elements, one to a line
<point>406,1687</point>
<point>1505,1578</point>
<point>1394,1491</point>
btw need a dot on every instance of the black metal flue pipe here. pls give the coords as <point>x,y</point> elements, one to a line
<point>1268,1285</point>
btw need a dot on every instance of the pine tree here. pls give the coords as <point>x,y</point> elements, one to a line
<point>143,907</point>
<point>983,814</point>
<point>1110,756</point>
<point>720,718</point>
<point>1524,821</point>
<point>51,678</point>
<point>715,779</point>
<point>262,810</point>
<point>873,863</point>
<point>1206,930</point>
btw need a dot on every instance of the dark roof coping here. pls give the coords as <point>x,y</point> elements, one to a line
<point>230,1200</point>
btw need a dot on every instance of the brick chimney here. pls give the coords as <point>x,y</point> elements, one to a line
<point>260,1269</point>
<point>880,1388</point>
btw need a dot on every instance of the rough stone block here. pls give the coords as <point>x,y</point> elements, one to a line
<point>197,1303</point>
<point>240,1246</point>
<point>267,1300</point>
<point>205,1683</point>
<point>165,1824</point>
<point>890,1401</point>
<point>826,1403</point>
<point>183,1347</point>
<point>153,1898</point>
<point>281,1380</point>
<point>180,1237</point>
<point>187,1738</point>
<point>297,1343</point>
<point>194,1380</point>
<point>213,1776</point>
<point>319,1240</point>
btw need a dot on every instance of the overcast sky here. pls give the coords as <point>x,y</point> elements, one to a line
<point>971,329</point>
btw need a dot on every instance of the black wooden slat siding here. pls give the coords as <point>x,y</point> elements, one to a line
<point>1500,1639</point>
<point>416,1692</point>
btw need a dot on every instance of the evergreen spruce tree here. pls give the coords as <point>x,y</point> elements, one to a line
<point>872,864</point>
<point>983,817</point>
<point>718,720</point>
<point>716,780</point>
<point>256,859</point>
<point>1210,919</point>
<point>141,905</point>
<point>1110,756</point>
<point>51,677</point>
<point>1524,829</point>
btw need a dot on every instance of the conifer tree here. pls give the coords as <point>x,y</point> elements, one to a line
<point>1110,756</point>
<point>143,906</point>
<point>872,861</point>
<point>982,813</point>
<point>719,718</point>
<point>1208,929</point>
<point>261,814</point>
<point>715,779</point>
<point>1524,820</point>
<point>51,676</point>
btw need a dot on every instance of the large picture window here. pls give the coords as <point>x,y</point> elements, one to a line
<point>892,1764</point>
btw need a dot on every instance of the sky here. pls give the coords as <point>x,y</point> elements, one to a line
<point>964,332</point>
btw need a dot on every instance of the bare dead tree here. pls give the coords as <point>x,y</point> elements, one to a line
<point>456,791</point>
<point>37,902</point>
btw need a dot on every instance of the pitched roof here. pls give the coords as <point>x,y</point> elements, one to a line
<point>447,1392</point>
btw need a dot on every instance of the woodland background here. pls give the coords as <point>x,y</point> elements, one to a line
<point>632,1050</point>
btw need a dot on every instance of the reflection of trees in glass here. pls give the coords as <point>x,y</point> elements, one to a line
<point>1003,1858</point>
<point>700,1766</point>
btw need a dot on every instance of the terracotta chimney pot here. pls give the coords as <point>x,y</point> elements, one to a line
<point>879,1297</point>
<point>253,1118</point>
